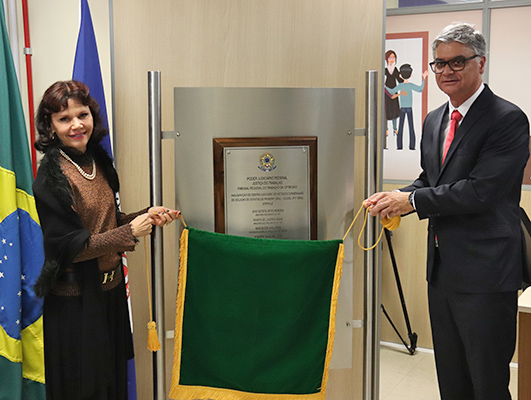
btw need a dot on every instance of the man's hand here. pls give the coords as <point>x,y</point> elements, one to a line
<point>388,204</point>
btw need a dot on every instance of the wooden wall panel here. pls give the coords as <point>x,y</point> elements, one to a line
<point>231,43</point>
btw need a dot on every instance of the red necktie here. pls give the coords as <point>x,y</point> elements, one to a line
<point>456,117</point>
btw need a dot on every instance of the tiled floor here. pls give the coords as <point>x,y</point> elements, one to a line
<point>406,377</point>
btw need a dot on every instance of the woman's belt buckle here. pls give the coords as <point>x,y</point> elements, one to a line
<point>108,277</point>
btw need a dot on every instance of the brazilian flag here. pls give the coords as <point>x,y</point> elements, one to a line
<point>255,317</point>
<point>21,248</point>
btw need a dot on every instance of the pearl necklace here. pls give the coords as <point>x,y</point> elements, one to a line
<point>83,173</point>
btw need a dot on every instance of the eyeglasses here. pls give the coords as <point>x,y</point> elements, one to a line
<point>456,64</point>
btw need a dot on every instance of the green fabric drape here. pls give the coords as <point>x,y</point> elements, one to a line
<point>255,317</point>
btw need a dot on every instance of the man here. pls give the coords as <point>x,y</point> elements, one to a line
<point>469,188</point>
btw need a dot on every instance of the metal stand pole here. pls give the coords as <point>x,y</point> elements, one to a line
<point>372,272</point>
<point>155,169</point>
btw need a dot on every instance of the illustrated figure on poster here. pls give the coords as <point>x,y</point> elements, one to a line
<point>406,103</point>
<point>392,78</point>
<point>392,97</point>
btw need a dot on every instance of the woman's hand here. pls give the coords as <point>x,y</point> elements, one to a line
<point>142,225</point>
<point>162,215</point>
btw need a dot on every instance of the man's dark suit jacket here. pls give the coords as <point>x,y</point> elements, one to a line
<point>472,200</point>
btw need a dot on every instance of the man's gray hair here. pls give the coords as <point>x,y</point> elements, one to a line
<point>463,33</point>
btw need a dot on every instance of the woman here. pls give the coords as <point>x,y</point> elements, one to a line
<point>87,339</point>
<point>392,78</point>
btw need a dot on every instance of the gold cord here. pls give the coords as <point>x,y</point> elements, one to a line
<point>147,278</point>
<point>153,339</point>
<point>389,223</point>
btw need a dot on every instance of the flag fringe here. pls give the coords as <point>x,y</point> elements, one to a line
<point>183,392</point>
<point>200,392</point>
<point>181,289</point>
<point>333,311</point>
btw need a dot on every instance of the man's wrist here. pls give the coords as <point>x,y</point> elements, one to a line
<point>411,199</point>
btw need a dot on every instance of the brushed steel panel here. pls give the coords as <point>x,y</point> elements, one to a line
<point>201,114</point>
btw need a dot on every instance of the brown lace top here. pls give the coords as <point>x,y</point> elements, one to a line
<point>95,204</point>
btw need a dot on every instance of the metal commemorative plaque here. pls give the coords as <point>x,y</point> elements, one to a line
<point>266,189</point>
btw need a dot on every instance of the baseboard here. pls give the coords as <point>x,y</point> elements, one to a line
<point>425,350</point>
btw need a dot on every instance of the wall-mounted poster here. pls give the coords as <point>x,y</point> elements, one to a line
<point>405,101</point>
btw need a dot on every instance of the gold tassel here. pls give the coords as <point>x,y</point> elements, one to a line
<point>391,223</point>
<point>153,338</point>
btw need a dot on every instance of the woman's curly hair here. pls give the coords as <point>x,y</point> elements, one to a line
<point>54,100</point>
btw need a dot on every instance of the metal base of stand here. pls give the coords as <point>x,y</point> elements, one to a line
<point>413,337</point>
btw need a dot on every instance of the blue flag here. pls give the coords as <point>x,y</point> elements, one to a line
<point>87,70</point>
<point>21,246</point>
<point>87,67</point>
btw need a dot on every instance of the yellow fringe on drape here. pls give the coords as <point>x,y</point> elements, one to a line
<point>181,288</point>
<point>333,311</point>
<point>201,392</point>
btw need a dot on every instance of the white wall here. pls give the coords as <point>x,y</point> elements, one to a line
<point>509,55</point>
<point>54,27</point>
